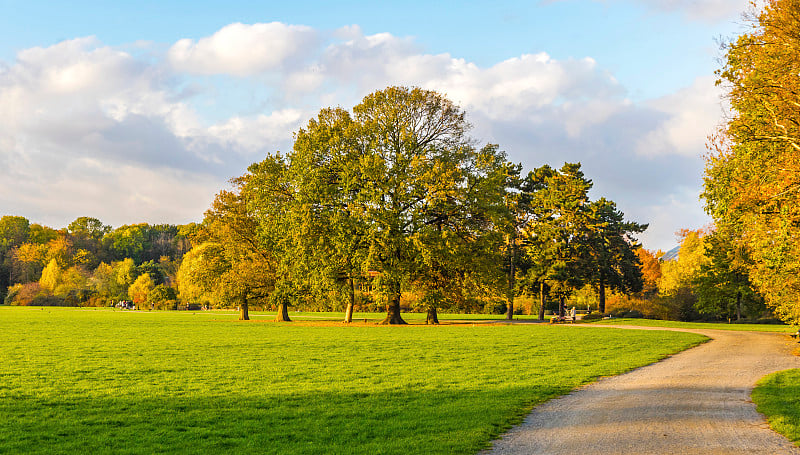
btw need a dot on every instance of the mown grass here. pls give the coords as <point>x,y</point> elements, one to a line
<point>412,318</point>
<point>779,328</point>
<point>100,381</point>
<point>777,396</point>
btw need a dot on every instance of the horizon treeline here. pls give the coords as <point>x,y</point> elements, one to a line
<point>89,263</point>
<point>390,206</point>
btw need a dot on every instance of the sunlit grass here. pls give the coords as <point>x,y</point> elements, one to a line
<point>700,325</point>
<point>101,381</point>
<point>777,396</point>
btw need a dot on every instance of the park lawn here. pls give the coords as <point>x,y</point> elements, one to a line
<point>411,318</point>
<point>779,328</point>
<point>101,381</point>
<point>777,396</point>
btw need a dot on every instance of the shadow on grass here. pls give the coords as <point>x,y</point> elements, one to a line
<point>405,421</point>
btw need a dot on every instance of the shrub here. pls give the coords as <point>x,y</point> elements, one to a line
<point>592,317</point>
<point>23,294</point>
<point>495,307</point>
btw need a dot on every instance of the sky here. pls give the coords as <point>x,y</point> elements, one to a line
<point>142,111</point>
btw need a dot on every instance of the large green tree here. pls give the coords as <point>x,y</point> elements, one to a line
<point>612,249</point>
<point>416,154</point>
<point>391,174</point>
<point>330,239</point>
<point>557,241</point>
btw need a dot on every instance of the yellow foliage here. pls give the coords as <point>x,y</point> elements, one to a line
<point>679,273</point>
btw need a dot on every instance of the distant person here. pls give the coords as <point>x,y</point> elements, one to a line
<point>572,314</point>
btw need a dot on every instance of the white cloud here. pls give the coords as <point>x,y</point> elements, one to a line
<point>243,50</point>
<point>253,134</point>
<point>691,115</point>
<point>679,210</point>
<point>710,11</point>
<point>86,129</point>
<point>703,10</point>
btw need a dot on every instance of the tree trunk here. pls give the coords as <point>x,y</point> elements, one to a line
<point>283,313</point>
<point>393,310</point>
<point>602,294</point>
<point>541,301</point>
<point>561,308</point>
<point>243,314</point>
<point>348,313</point>
<point>432,318</point>
<point>511,281</point>
<point>738,305</point>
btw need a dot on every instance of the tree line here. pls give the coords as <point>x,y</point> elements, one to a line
<point>699,283</point>
<point>89,263</point>
<point>395,196</point>
<point>391,205</point>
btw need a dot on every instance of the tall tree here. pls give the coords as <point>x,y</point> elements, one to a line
<point>330,239</point>
<point>722,284</point>
<point>416,151</point>
<point>408,152</point>
<point>752,181</point>
<point>250,231</point>
<point>14,232</point>
<point>557,242</point>
<point>612,249</point>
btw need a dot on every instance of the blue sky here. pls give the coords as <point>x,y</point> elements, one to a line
<point>140,111</point>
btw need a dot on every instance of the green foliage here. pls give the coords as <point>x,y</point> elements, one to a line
<point>612,250</point>
<point>722,285</point>
<point>162,382</point>
<point>777,396</point>
<point>162,297</point>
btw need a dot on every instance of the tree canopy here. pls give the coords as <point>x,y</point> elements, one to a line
<point>752,180</point>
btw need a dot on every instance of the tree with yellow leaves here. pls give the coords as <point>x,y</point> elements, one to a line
<point>752,181</point>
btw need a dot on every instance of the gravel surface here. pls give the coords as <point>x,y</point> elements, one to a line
<point>696,402</point>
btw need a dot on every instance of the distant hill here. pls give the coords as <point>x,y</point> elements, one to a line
<point>671,255</point>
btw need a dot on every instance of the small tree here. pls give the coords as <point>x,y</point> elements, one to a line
<point>141,288</point>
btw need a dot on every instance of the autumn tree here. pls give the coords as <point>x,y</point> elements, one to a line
<point>651,271</point>
<point>14,232</point>
<point>752,180</point>
<point>141,288</point>
<point>247,228</point>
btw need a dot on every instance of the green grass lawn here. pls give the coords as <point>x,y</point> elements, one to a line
<point>412,318</point>
<point>700,325</point>
<point>777,396</point>
<point>101,381</point>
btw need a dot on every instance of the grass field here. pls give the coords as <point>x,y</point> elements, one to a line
<point>101,381</point>
<point>700,325</point>
<point>777,396</point>
<point>412,318</point>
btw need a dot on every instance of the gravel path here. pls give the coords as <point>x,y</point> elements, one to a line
<point>696,402</point>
